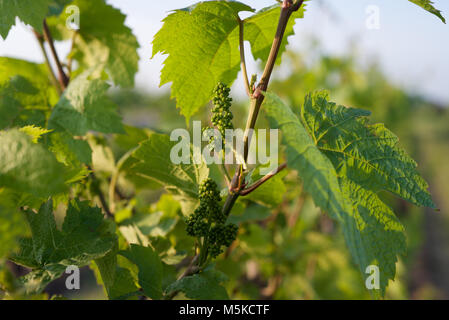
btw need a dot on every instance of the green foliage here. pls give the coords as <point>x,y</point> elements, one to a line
<point>367,159</point>
<point>367,154</point>
<point>28,167</point>
<point>57,6</point>
<point>428,5</point>
<point>213,51</point>
<point>31,12</point>
<point>84,107</point>
<point>12,223</point>
<point>317,172</point>
<point>182,180</point>
<point>26,93</point>
<point>150,269</point>
<point>163,225</point>
<point>202,286</point>
<point>269,194</point>
<point>34,132</point>
<point>83,237</point>
<point>103,45</point>
<point>259,31</point>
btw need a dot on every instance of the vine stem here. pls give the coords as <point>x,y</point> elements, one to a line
<point>287,9</point>
<point>63,83</point>
<point>53,78</point>
<point>242,57</point>
<point>263,180</point>
<point>63,79</point>
<point>257,98</point>
<point>191,270</point>
<point>99,193</point>
<point>113,183</point>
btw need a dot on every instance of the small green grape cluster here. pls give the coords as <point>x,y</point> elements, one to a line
<point>221,114</point>
<point>221,235</point>
<point>208,221</point>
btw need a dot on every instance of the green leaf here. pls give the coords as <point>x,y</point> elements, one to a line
<point>70,151</point>
<point>36,281</point>
<point>369,155</point>
<point>373,234</point>
<point>182,180</point>
<point>106,269</point>
<point>118,281</point>
<point>261,28</point>
<point>367,160</point>
<point>150,269</point>
<point>209,33</point>
<point>251,214</point>
<point>428,5</point>
<point>84,107</point>
<point>316,170</point>
<point>123,287</point>
<point>34,132</point>
<point>102,45</point>
<point>31,12</point>
<point>12,224</point>
<point>25,88</point>
<point>57,6</point>
<point>83,238</point>
<point>202,286</point>
<point>73,153</point>
<point>29,167</point>
<point>35,73</point>
<point>155,224</point>
<point>9,107</point>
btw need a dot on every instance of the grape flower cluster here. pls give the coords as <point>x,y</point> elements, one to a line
<point>208,221</point>
<point>221,113</point>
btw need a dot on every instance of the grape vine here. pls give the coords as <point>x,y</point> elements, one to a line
<point>149,227</point>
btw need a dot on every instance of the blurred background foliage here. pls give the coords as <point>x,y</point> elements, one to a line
<point>287,248</point>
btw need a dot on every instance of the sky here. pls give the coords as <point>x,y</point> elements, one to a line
<point>411,45</point>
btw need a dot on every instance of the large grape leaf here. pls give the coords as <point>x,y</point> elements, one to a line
<point>316,170</point>
<point>182,180</point>
<point>31,12</point>
<point>103,44</point>
<point>428,5</point>
<point>367,159</point>
<point>84,107</point>
<point>369,155</point>
<point>209,32</point>
<point>49,251</point>
<point>29,167</point>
